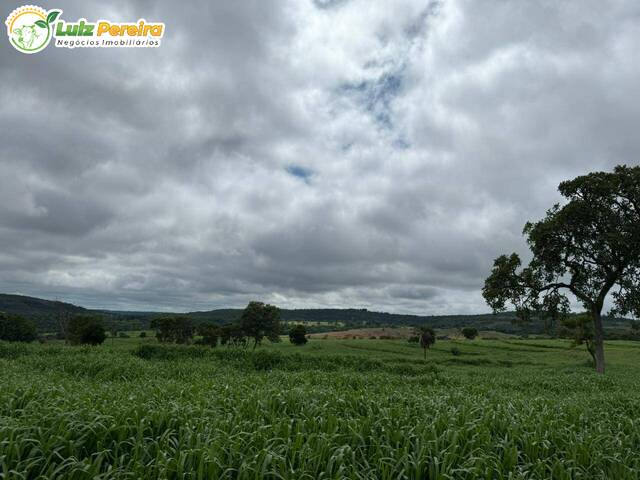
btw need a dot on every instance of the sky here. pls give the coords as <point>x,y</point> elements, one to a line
<point>307,153</point>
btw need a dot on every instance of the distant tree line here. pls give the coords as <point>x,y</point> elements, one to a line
<point>258,321</point>
<point>76,330</point>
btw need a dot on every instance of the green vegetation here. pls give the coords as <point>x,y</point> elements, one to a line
<point>135,408</point>
<point>298,335</point>
<point>49,315</point>
<point>85,330</point>
<point>173,329</point>
<point>427,338</point>
<point>14,328</point>
<point>259,321</point>
<point>586,248</point>
<point>469,333</point>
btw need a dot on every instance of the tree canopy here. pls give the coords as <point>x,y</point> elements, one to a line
<point>427,337</point>
<point>177,329</point>
<point>86,330</point>
<point>15,328</point>
<point>589,247</point>
<point>298,334</point>
<point>259,320</point>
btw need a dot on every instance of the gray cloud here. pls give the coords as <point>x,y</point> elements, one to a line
<point>308,153</point>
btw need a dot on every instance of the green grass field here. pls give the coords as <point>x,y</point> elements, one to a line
<point>332,409</point>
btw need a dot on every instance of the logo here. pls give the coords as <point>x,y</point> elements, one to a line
<point>31,29</point>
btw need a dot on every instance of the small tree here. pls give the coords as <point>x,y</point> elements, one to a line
<point>86,330</point>
<point>427,338</point>
<point>470,333</point>
<point>177,329</point>
<point>14,328</point>
<point>585,247</point>
<point>232,335</point>
<point>580,329</point>
<point>259,320</point>
<point>209,334</point>
<point>298,335</point>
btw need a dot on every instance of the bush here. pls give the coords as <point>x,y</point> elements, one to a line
<point>143,335</point>
<point>298,335</point>
<point>455,351</point>
<point>427,338</point>
<point>86,330</point>
<point>264,360</point>
<point>470,333</point>
<point>176,329</point>
<point>209,334</point>
<point>14,328</point>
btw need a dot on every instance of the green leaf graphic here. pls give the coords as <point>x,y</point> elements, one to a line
<point>52,16</point>
<point>41,23</point>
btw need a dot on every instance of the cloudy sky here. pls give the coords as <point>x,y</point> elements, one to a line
<point>327,153</point>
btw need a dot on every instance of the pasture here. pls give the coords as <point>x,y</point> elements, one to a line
<point>333,409</point>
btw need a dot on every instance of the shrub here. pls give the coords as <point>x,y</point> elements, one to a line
<point>264,360</point>
<point>86,330</point>
<point>455,351</point>
<point>298,335</point>
<point>427,338</point>
<point>176,329</point>
<point>470,333</point>
<point>14,328</point>
<point>210,335</point>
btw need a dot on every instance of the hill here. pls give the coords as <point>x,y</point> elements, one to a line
<point>45,313</point>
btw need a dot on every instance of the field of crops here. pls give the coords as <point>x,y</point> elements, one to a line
<point>332,409</point>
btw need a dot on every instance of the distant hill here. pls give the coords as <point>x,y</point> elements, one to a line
<point>36,308</point>
<point>322,320</point>
<point>46,313</point>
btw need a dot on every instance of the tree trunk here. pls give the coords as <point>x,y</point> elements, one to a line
<point>598,340</point>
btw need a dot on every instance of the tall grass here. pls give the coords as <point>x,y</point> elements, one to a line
<point>193,413</point>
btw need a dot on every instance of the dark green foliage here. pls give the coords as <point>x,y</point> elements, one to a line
<point>232,335</point>
<point>210,335</point>
<point>580,329</point>
<point>259,321</point>
<point>143,335</point>
<point>86,330</point>
<point>264,360</point>
<point>14,328</point>
<point>585,247</point>
<point>470,332</point>
<point>455,351</point>
<point>173,329</point>
<point>427,338</point>
<point>298,335</point>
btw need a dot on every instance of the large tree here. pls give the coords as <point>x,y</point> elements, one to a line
<point>259,320</point>
<point>589,247</point>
